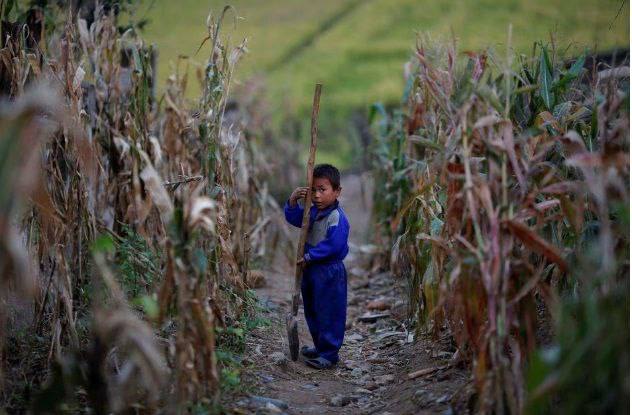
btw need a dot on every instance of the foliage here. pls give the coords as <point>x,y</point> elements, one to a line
<point>87,149</point>
<point>138,264</point>
<point>494,185</point>
<point>232,340</point>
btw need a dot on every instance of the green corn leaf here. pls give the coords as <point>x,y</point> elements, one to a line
<point>103,243</point>
<point>546,80</point>
<point>424,142</point>
<point>410,82</point>
<point>138,67</point>
<point>489,95</point>
<point>375,110</point>
<point>7,9</point>
<point>577,67</point>
<point>574,71</point>
<point>149,305</point>
<point>594,127</point>
<point>525,89</point>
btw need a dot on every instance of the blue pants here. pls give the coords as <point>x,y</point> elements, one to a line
<point>324,289</point>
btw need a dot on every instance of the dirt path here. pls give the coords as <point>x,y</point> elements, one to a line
<point>377,355</point>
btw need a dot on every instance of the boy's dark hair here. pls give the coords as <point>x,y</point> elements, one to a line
<point>328,172</point>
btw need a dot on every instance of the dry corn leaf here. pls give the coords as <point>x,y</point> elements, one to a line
<point>200,213</point>
<point>562,188</point>
<point>154,185</point>
<point>536,243</point>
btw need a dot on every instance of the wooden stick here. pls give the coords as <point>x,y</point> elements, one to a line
<point>427,371</point>
<point>298,275</point>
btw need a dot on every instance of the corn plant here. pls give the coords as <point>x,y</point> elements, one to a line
<point>170,184</point>
<point>491,178</point>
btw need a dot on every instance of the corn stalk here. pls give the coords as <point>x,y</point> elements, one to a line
<point>487,187</point>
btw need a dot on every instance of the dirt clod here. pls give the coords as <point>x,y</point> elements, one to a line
<point>378,305</point>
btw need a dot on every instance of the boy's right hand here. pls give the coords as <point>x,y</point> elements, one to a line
<point>298,193</point>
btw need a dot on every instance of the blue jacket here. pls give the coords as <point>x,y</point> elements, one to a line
<point>328,232</point>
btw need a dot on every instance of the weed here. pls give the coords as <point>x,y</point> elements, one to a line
<point>138,264</point>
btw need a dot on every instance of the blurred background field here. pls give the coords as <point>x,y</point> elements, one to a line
<point>358,48</point>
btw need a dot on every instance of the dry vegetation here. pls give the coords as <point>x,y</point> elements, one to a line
<point>130,222</point>
<point>503,188</point>
<point>133,224</point>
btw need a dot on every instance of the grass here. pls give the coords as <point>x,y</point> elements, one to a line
<point>357,49</point>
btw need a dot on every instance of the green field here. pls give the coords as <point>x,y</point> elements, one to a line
<point>358,48</point>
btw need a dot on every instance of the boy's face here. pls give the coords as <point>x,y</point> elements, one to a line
<point>323,194</point>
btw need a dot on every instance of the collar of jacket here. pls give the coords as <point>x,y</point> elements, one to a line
<point>315,214</point>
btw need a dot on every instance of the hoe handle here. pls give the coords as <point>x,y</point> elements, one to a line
<point>308,200</point>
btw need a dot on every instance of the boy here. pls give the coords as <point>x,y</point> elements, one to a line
<point>324,285</point>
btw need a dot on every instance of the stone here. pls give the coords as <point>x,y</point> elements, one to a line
<point>262,401</point>
<point>356,372</point>
<point>357,272</point>
<point>364,400</point>
<point>278,358</point>
<point>384,379</point>
<point>349,364</point>
<point>362,391</point>
<point>266,378</point>
<point>389,334</point>
<point>342,400</point>
<point>354,338</point>
<point>272,408</point>
<point>358,285</point>
<point>365,367</point>
<point>309,387</point>
<point>442,399</point>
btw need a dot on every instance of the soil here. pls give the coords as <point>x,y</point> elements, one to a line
<point>376,357</point>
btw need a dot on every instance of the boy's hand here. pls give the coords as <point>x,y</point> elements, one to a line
<point>298,193</point>
<point>300,262</point>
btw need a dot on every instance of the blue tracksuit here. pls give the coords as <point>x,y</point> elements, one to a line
<point>324,285</point>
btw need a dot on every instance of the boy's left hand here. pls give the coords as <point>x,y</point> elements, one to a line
<point>301,262</point>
